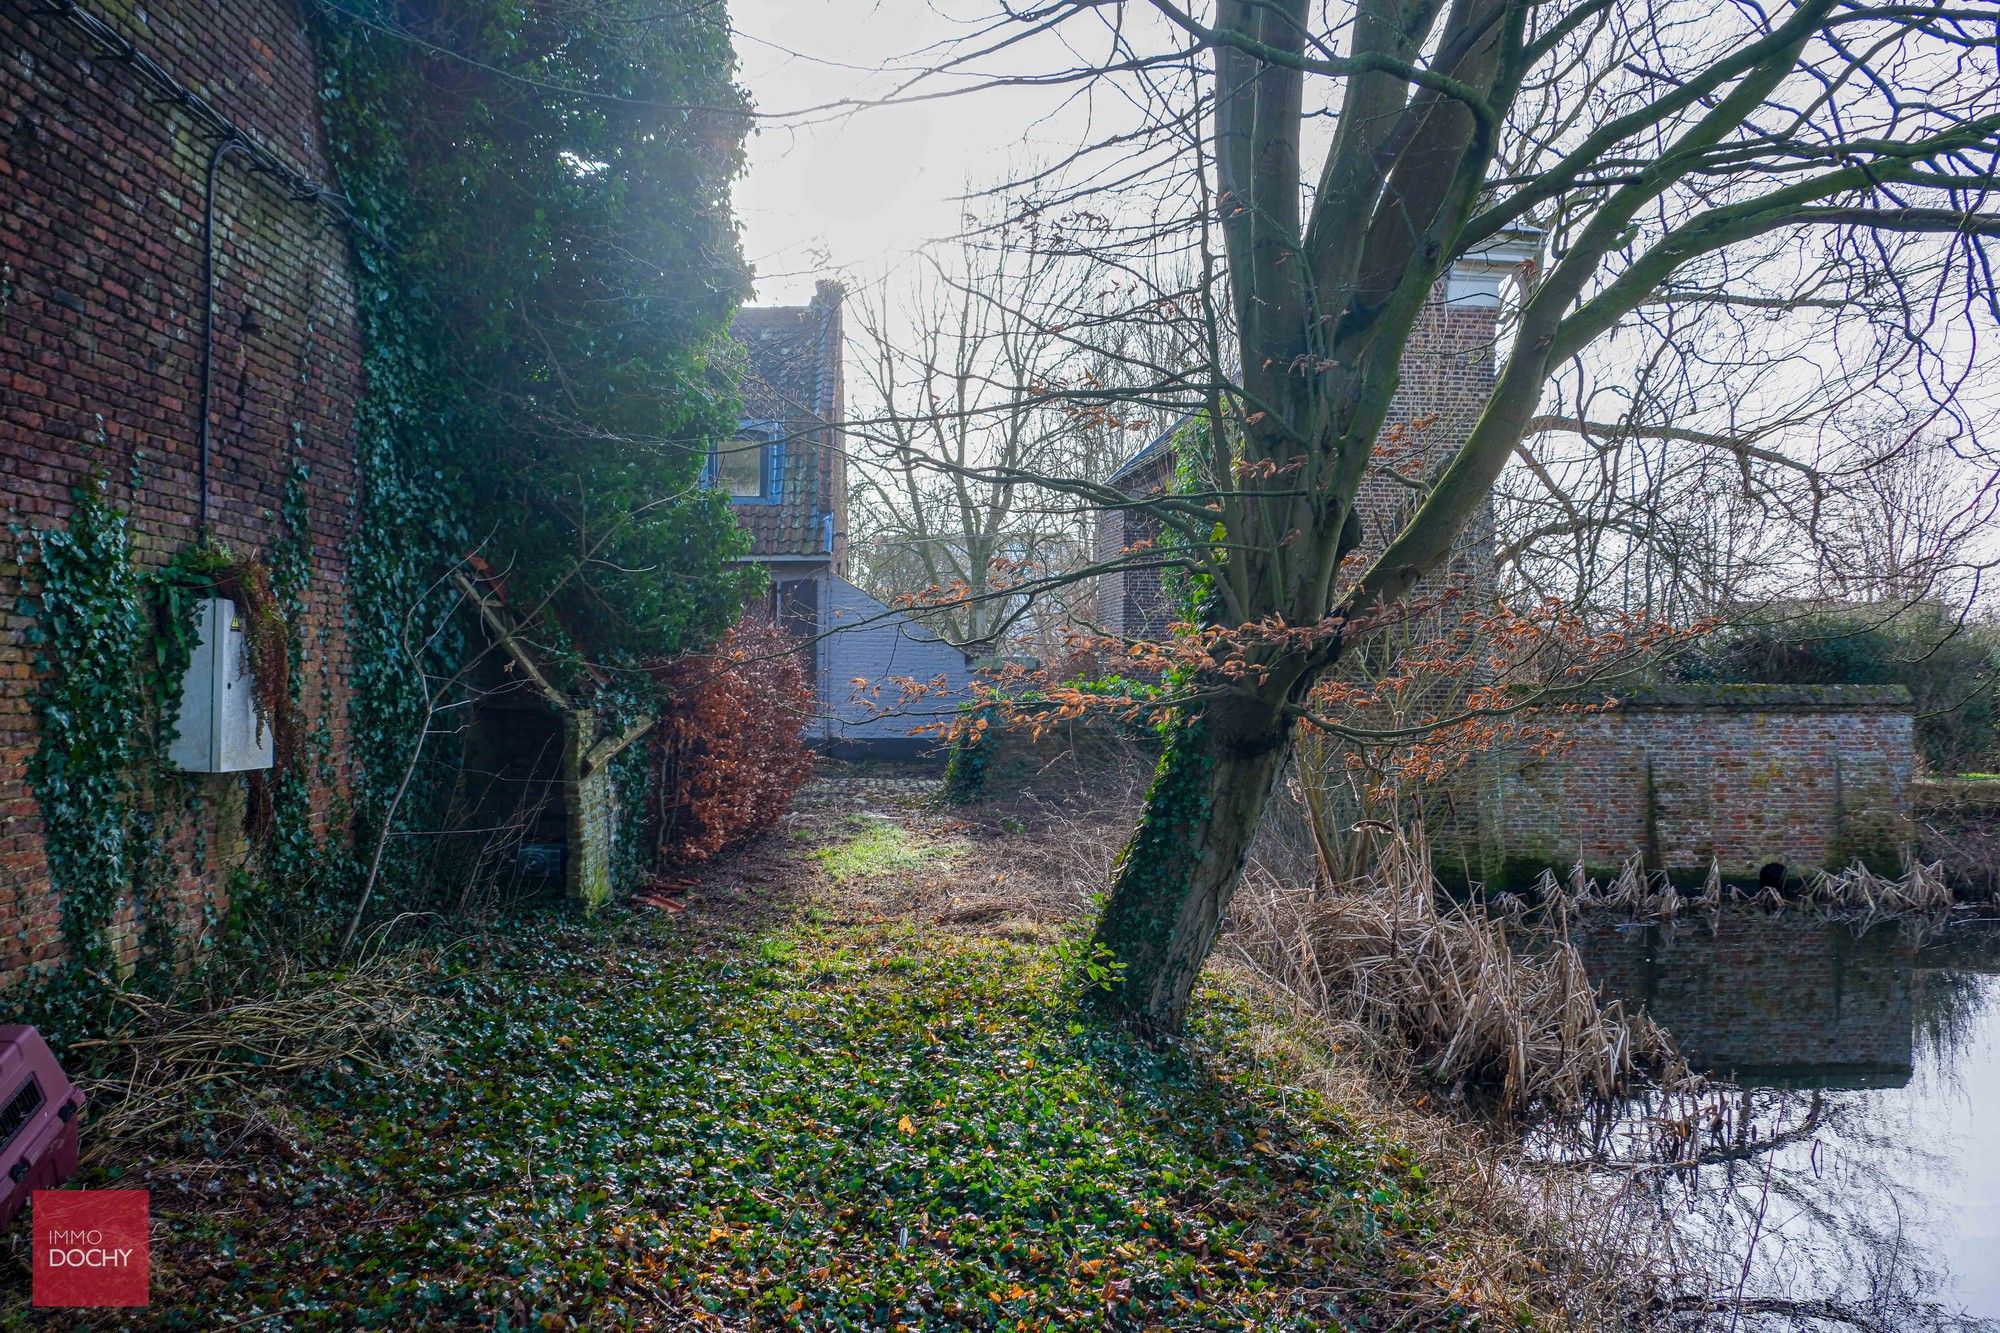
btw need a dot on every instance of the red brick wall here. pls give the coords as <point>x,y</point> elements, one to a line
<point>1110,541</point>
<point>1132,602</point>
<point>100,333</point>
<point>1737,779</point>
<point>1447,373</point>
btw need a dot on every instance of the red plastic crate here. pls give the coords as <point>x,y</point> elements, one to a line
<point>38,1106</point>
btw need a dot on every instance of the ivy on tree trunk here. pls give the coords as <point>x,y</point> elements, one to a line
<point>1172,884</point>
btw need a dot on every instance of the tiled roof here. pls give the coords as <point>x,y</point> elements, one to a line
<point>791,378</point>
<point>1146,472</point>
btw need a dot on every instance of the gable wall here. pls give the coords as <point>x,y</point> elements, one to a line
<point>793,375</point>
<point>100,329</point>
<point>1447,373</point>
<point>865,640</point>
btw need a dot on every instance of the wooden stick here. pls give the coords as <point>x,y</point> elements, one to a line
<point>490,613</point>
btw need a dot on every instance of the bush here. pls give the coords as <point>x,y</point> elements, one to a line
<point>731,744</point>
<point>1949,668</point>
<point>1015,724</point>
<point>971,752</point>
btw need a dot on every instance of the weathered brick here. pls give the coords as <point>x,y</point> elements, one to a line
<point>100,331</point>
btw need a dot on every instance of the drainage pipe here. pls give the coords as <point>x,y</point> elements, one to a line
<point>222,150</point>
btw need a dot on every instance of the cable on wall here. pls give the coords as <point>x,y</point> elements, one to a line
<point>111,45</point>
<point>228,138</point>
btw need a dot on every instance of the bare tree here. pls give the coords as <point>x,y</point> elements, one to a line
<point>1906,522</point>
<point>1319,167</point>
<point>1639,504</point>
<point>954,389</point>
<point>982,376</point>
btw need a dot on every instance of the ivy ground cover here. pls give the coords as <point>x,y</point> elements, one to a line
<point>876,1127</point>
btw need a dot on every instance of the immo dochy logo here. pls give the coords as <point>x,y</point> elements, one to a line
<point>91,1247</point>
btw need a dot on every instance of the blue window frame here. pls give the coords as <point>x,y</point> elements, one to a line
<point>751,466</point>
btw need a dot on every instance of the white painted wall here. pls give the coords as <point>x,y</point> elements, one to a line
<point>864,639</point>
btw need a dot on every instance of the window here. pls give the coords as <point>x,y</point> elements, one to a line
<point>739,468</point>
<point>749,469</point>
<point>20,1108</point>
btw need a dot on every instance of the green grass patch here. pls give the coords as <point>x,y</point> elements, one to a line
<point>874,847</point>
<point>858,1130</point>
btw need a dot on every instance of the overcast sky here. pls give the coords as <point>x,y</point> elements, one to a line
<point>855,192</point>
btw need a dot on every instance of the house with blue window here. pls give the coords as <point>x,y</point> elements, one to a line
<point>786,475</point>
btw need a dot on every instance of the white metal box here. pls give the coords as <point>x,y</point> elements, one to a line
<point>219,728</point>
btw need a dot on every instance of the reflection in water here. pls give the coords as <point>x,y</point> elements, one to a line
<point>1842,1171</point>
<point>1769,1000</point>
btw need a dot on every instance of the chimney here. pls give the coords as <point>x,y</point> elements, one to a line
<point>1480,279</point>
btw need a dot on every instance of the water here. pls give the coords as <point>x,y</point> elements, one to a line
<point>1848,1160</point>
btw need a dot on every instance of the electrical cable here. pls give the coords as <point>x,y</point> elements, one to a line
<point>228,137</point>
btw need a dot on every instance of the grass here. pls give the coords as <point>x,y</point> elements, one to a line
<point>875,847</point>
<point>866,1127</point>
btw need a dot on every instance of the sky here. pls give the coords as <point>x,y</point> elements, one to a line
<point>854,193</point>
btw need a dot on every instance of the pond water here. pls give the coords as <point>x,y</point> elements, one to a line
<point>1847,1161</point>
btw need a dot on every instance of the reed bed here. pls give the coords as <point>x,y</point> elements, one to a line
<point>1920,888</point>
<point>1411,992</point>
<point>1640,896</point>
<point>1422,983</point>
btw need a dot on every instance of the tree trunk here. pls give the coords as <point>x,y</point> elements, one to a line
<point>1174,880</point>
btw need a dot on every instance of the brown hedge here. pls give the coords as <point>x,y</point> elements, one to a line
<point>731,749</point>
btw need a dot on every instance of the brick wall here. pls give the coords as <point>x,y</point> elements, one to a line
<point>100,334</point>
<point>1109,537</point>
<point>1447,374</point>
<point>1741,774</point>
<point>1132,602</point>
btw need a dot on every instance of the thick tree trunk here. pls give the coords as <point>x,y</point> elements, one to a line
<point>1174,880</point>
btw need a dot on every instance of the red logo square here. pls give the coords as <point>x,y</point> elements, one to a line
<point>92,1247</point>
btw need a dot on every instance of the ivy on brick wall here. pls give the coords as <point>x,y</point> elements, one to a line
<point>546,264</point>
<point>295,902</point>
<point>112,645</point>
<point>88,631</point>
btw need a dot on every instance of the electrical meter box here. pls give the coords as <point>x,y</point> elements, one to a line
<point>220,731</point>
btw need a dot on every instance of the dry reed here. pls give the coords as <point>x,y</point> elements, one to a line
<point>220,1065</point>
<point>1640,896</point>
<point>1444,989</point>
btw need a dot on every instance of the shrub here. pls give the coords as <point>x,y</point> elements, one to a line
<point>1950,668</point>
<point>731,744</point>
